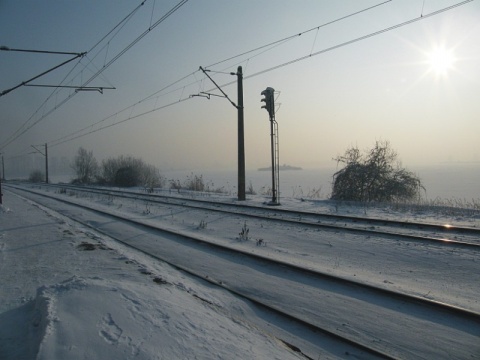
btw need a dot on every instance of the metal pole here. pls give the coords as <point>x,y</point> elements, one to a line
<point>272,141</point>
<point>46,163</point>
<point>2,178</point>
<point>241,138</point>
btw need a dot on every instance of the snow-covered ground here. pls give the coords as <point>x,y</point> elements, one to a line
<point>62,301</point>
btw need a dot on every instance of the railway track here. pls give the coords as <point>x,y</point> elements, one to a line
<point>346,301</point>
<point>444,235</point>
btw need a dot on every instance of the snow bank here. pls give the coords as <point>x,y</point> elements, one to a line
<point>109,319</point>
<point>60,301</point>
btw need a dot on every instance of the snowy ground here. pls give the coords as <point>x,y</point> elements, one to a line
<point>61,301</point>
<point>68,303</point>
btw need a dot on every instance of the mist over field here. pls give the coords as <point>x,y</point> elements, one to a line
<point>402,71</point>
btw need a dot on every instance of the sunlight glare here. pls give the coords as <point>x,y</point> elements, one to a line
<point>441,60</point>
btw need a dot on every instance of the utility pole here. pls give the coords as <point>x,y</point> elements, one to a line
<point>2,178</point>
<point>241,137</point>
<point>241,132</point>
<point>46,163</point>
<point>46,160</point>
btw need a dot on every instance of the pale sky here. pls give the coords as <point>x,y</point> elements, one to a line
<point>416,86</point>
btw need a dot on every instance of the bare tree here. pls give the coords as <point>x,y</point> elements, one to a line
<point>85,166</point>
<point>375,176</point>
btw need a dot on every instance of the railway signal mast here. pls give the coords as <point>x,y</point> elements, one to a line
<point>269,100</point>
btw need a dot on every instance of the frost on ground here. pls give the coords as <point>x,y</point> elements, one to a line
<point>68,292</point>
<point>123,318</point>
<point>64,299</point>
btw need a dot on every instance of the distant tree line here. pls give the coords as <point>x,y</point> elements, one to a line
<point>123,171</point>
<point>373,176</point>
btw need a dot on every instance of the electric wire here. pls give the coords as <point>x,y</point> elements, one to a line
<point>361,38</point>
<point>269,69</point>
<point>151,27</point>
<point>20,131</point>
<point>62,139</point>
<point>128,47</point>
<point>300,33</point>
<point>124,120</point>
<point>265,48</point>
<point>278,42</point>
<point>69,137</point>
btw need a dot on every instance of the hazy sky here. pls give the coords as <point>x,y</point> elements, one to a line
<point>416,86</point>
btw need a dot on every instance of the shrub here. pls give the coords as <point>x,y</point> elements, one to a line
<point>374,176</point>
<point>127,176</point>
<point>36,176</point>
<point>250,189</point>
<point>85,166</point>
<point>195,183</point>
<point>127,171</point>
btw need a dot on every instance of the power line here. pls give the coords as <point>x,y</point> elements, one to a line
<point>69,137</point>
<point>64,139</point>
<point>267,47</point>
<point>299,34</point>
<point>128,47</point>
<point>361,38</point>
<point>19,132</point>
<point>181,3</point>
<point>124,120</point>
<point>277,66</point>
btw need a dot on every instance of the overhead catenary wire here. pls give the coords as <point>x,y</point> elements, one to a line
<point>67,137</point>
<point>361,38</point>
<point>265,48</point>
<point>128,47</point>
<point>181,3</point>
<point>124,120</point>
<point>358,39</point>
<point>299,34</point>
<point>22,129</point>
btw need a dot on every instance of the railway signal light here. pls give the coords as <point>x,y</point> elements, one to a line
<point>268,100</point>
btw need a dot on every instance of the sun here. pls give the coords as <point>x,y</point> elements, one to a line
<point>441,60</point>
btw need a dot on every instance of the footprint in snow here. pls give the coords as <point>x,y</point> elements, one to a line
<point>109,330</point>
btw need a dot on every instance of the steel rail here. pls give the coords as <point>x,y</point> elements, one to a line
<point>415,300</point>
<point>370,220</point>
<point>176,201</point>
<point>257,302</point>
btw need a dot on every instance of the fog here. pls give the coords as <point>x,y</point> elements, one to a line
<point>383,87</point>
